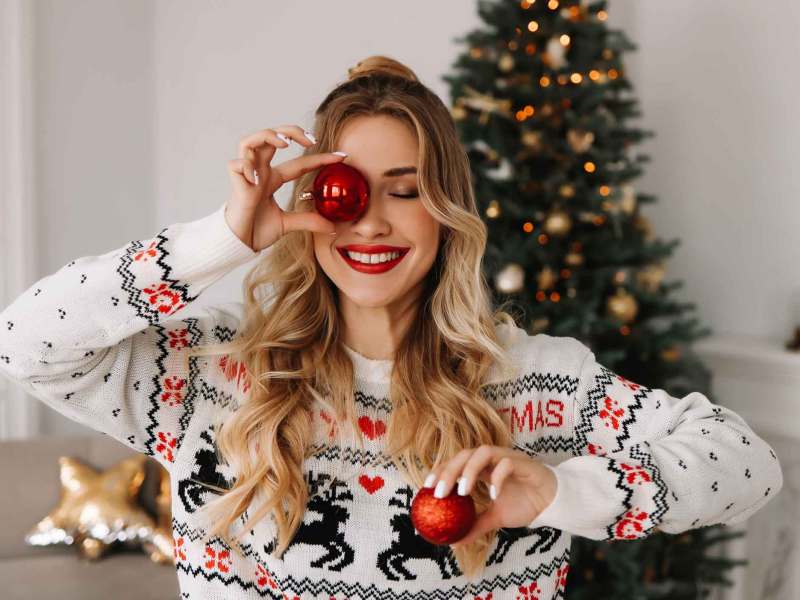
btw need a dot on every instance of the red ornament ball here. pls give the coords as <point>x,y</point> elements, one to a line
<point>341,192</point>
<point>442,520</point>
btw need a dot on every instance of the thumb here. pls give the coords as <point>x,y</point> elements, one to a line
<point>486,521</point>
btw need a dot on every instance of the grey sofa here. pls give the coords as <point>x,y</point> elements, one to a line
<point>30,490</point>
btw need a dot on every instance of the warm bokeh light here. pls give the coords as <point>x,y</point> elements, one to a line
<point>544,81</point>
<point>533,26</point>
<point>594,74</point>
<point>605,190</point>
<point>527,227</point>
<point>543,239</point>
<point>576,78</point>
<point>529,110</point>
<point>513,45</point>
<point>602,15</point>
<point>552,5</point>
<point>613,73</point>
<point>589,166</point>
<point>564,39</point>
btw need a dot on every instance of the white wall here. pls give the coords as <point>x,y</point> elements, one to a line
<point>139,105</point>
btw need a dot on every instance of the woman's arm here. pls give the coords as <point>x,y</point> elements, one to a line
<point>99,340</point>
<point>646,460</point>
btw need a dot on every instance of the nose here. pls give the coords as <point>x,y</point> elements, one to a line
<point>373,222</point>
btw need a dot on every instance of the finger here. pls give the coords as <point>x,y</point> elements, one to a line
<point>294,168</point>
<point>307,221</point>
<point>486,521</point>
<point>265,141</point>
<point>241,168</point>
<point>480,466</point>
<point>297,134</point>
<point>453,468</point>
<point>503,469</point>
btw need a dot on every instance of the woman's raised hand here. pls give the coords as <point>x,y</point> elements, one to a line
<point>252,212</point>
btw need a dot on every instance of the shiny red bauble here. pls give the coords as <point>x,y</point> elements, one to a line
<point>341,192</point>
<point>442,520</point>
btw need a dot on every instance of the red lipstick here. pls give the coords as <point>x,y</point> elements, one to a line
<point>376,268</point>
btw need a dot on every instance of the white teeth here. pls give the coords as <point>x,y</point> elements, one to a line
<point>373,258</point>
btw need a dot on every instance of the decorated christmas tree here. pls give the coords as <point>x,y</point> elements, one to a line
<point>542,104</point>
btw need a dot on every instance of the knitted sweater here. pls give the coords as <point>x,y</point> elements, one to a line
<point>101,341</point>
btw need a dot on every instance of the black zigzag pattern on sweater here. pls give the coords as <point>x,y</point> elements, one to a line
<point>531,381</point>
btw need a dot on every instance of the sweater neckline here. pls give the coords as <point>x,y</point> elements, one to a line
<point>370,369</point>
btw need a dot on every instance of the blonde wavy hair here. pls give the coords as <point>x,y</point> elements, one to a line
<point>289,339</point>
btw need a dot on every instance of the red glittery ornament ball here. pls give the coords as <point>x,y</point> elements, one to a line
<point>442,520</point>
<point>341,192</point>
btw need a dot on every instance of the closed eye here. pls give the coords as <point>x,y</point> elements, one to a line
<point>414,195</point>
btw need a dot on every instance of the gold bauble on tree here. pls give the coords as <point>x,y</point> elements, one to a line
<point>622,306</point>
<point>566,190</point>
<point>558,223</point>
<point>650,277</point>
<point>532,140</point>
<point>546,278</point>
<point>574,259</point>
<point>506,62</point>
<point>458,112</point>
<point>510,279</point>
<point>580,140</point>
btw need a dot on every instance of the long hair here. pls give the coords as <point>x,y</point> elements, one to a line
<point>289,343</point>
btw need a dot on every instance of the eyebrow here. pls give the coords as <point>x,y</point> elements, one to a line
<point>397,171</point>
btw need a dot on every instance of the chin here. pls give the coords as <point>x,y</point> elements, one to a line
<point>368,299</point>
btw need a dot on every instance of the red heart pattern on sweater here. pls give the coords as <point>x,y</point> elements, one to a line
<point>370,428</point>
<point>371,484</point>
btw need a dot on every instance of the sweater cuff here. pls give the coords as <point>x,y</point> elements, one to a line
<point>206,249</point>
<point>583,505</point>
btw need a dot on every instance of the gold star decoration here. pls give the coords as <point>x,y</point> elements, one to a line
<point>97,509</point>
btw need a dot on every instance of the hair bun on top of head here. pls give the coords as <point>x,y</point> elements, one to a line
<point>379,64</point>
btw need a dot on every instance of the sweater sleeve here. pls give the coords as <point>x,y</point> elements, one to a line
<point>647,461</point>
<point>100,340</point>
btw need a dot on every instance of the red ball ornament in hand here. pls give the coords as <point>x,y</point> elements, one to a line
<point>341,192</point>
<point>442,520</point>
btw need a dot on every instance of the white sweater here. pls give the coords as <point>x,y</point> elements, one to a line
<point>100,341</point>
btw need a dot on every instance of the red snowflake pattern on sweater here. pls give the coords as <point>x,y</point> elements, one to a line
<point>233,369</point>
<point>179,550</point>
<point>166,444</point>
<point>611,413</point>
<point>264,577</point>
<point>217,560</point>
<point>178,338</point>
<point>529,592</point>
<point>165,300</point>
<point>636,474</point>
<point>173,390</point>
<point>147,254</point>
<point>631,525</point>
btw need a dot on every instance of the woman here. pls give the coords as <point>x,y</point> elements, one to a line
<point>337,390</point>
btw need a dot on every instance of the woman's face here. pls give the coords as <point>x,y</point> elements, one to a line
<point>377,146</point>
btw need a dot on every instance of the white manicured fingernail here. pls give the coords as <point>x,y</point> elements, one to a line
<point>493,492</point>
<point>310,136</point>
<point>340,153</point>
<point>284,137</point>
<point>429,480</point>
<point>255,176</point>
<point>439,491</point>
<point>462,486</point>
